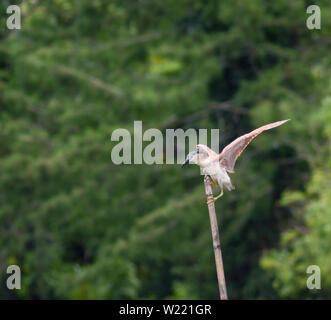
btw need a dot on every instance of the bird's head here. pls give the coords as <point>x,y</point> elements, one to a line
<point>195,156</point>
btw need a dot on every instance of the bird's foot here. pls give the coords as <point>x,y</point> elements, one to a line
<point>211,199</point>
<point>220,195</point>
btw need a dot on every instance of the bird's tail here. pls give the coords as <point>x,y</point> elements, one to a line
<point>230,186</point>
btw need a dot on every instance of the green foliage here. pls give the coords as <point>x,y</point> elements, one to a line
<point>81,227</point>
<point>307,241</point>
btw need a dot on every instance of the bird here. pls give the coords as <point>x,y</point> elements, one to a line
<point>217,166</point>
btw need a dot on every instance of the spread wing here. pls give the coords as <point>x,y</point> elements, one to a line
<point>232,151</point>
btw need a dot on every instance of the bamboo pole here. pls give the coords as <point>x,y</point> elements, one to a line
<point>216,241</point>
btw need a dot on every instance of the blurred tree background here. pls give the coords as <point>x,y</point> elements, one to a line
<point>81,227</point>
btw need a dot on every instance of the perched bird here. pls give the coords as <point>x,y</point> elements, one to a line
<point>217,166</point>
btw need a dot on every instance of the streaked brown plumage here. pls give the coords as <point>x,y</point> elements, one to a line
<point>217,166</point>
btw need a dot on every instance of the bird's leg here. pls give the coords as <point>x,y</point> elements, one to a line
<point>213,183</point>
<point>210,197</point>
<point>220,195</point>
<point>213,199</point>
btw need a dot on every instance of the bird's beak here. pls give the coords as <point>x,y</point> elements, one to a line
<point>185,163</point>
